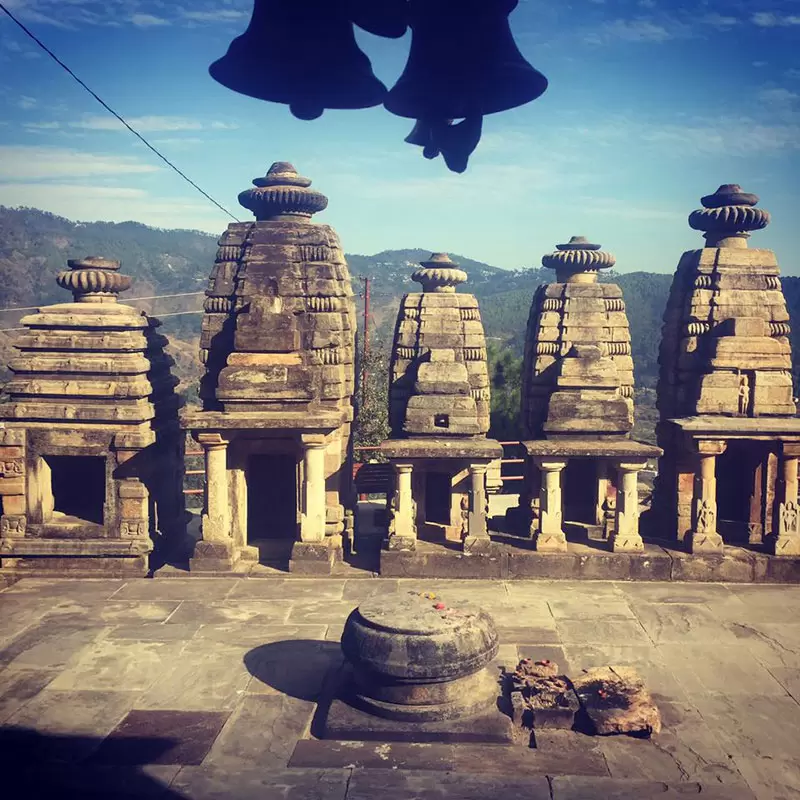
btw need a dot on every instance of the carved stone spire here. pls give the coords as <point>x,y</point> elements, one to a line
<point>578,261</point>
<point>439,274</point>
<point>93,280</point>
<point>727,217</point>
<point>282,193</point>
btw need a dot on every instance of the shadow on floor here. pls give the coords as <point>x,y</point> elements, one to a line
<point>38,765</point>
<point>297,668</point>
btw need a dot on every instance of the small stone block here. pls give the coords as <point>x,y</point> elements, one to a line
<point>554,711</point>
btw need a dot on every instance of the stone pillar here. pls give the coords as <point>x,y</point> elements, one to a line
<point>626,537</point>
<point>704,537</point>
<point>477,539</point>
<point>402,527</point>
<point>216,551</point>
<point>312,525</point>
<point>550,537</point>
<point>786,542</point>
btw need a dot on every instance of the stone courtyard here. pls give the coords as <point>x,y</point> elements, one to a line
<point>207,688</point>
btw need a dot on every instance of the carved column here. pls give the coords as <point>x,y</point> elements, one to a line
<point>477,539</point>
<point>402,528</point>
<point>787,540</point>
<point>550,537</point>
<point>704,537</point>
<point>216,516</point>
<point>626,537</point>
<point>312,526</point>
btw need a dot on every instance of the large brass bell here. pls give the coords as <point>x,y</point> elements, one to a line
<point>463,62</point>
<point>302,54</point>
<point>388,18</point>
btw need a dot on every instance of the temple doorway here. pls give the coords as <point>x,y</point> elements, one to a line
<point>580,491</point>
<point>78,484</point>
<point>736,484</point>
<point>271,497</point>
<point>438,497</point>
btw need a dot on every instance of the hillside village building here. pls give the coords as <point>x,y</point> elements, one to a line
<point>577,407</point>
<point>90,448</point>
<point>278,342</point>
<point>728,427</point>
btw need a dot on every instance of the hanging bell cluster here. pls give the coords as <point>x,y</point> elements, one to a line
<point>463,64</point>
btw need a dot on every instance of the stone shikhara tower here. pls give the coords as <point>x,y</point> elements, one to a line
<point>91,451</point>
<point>577,407</point>
<point>439,414</point>
<point>728,427</point>
<point>278,342</point>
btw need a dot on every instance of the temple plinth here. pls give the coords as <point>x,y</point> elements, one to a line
<point>278,342</point>
<point>727,414</point>
<point>577,408</point>
<point>90,448</point>
<point>439,415</point>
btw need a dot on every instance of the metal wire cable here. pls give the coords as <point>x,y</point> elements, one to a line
<point>114,113</point>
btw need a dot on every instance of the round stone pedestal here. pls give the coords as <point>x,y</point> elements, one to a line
<point>416,658</point>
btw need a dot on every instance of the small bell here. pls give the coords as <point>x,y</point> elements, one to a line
<point>455,141</point>
<point>304,55</point>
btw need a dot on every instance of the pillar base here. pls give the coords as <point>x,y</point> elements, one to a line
<point>550,542</point>
<point>697,542</point>
<point>473,545</point>
<point>626,543</point>
<point>782,545</point>
<point>213,557</point>
<point>402,543</point>
<point>314,558</point>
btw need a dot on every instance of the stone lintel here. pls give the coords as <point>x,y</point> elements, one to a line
<point>472,449</point>
<point>790,449</point>
<point>710,447</point>
<point>591,448</point>
<point>265,420</point>
<point>15,547</point>
<point>780,428</point>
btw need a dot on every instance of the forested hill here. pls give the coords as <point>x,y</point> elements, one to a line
<point>35,246</point>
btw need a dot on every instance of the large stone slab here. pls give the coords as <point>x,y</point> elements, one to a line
<point>583,631</point>
<point>578,788</point>
<point>195,588</point>
<point>262,732</point>
<point>375,755</point>
<point>367,784</point>
<point>254,612</point>
<point>161,737</point>
<point>17,686</point>
<point>288,589</point>
<point>50,644</point>
<point>678,623</point>
<point>219,783</point>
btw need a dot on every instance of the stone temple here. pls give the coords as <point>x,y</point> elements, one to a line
<point>90,448</point>
<point>278,343</point>
<point>439,415</point>
<point>728,427</point>
<point>577,407</point>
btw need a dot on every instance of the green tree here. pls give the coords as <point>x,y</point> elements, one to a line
<point>505,372</point>
<point>371,425</point>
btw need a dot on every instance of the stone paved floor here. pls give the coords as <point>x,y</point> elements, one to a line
<point>209,688</point>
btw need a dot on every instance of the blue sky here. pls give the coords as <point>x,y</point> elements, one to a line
<point>652,103</point>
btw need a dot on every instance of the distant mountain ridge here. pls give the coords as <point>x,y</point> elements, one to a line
<point>35,246</point>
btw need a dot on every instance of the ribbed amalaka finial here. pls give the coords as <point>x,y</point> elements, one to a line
<point>93,279</point>
<point>439,274</point>
<point>728,216</point>
<point>578,261</point>
<point>282,192</point>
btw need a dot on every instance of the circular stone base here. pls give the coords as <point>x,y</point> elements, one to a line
<point>415,657</point>
<point>463,697</point>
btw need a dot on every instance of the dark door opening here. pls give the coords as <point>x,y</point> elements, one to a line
<point>580,491</point>
<point>271,497</point>
<point>78,484</point>
<point>735,470</point>
<point>437,497</point>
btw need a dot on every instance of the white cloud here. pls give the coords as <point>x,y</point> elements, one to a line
<point>792,73</point>
<point>150,123</point>
<point>631,30</point>
<point>216,15</point>
<point>719,21</point>
<point>42,126</point>
<point>148,21</point>
<point>769,19</point>
<point>778,98</point>
<point>27,103</point>
<point>23,163</point>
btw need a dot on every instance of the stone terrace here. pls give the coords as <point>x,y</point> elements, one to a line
<point>206,688</point>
